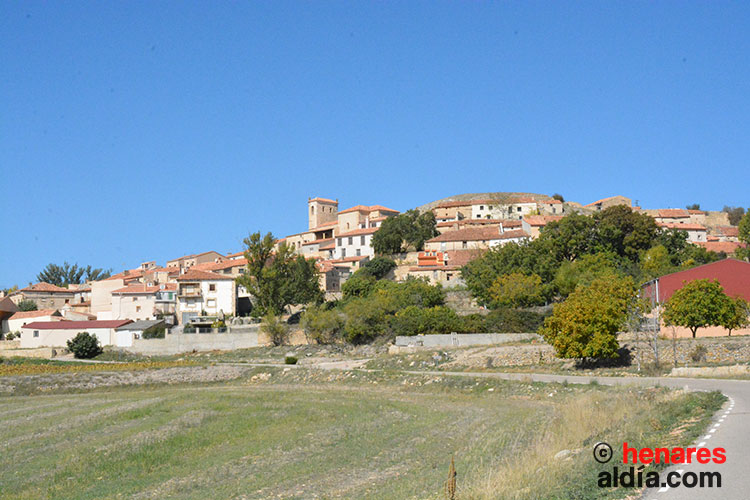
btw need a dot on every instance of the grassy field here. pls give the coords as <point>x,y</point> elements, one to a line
<point>313,434</point>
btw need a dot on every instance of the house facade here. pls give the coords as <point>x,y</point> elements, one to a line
<point>45,295</point>
<point>206,292</point>
<point>57,333</point>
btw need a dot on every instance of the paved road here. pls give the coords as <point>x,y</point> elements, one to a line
<point>729,429</point>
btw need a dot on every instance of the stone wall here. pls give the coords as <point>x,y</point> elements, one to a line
<point>464,339</point>
<point>691,351</point>
<point>176,343</point>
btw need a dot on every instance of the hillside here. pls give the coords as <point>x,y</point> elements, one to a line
<point>500,197</point>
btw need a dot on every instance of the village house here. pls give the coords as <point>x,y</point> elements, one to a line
<point>452,211</point>
<point>141,301</point>
<point>22,318</point>
<point>443,267</point>
<point>503,224</point>
<point>533,224</point>
<point>476,238</point>
<point>57,333</point>
<point>187,261</point>
<point>204,292</point>
<point>696,233</point>
<point>45,295</point>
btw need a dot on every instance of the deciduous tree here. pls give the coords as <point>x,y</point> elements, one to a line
<point>736,314</point>
<point>517,290</point>
<point>697,304</point>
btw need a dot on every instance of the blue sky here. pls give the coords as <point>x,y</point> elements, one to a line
<point>133,131</point>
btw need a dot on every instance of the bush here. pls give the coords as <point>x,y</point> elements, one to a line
<point>358,285</point>
<point>512,321</point>
<point>290,360</point>
<point>322,325</point>
<point>379,267</point>
<point>26,305</point>
<point>218,324</point>
<point>415,320</point>
<point>85,346</point>
<point>275,328</point>
<point>156,332</point>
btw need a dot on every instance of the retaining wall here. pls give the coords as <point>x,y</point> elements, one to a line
<point>176,343</point>
<point>463,339</point>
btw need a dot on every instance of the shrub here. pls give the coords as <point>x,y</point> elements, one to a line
<point>379,267</point>
<point>218,324</point>
<point>155,332</point>
<point>512,321</point>
<point>358,285</point>
<point>415,320</point>
<point>85,346</point>
<point>275,328</point>
<point>290,360</point>
<point>698,353</point>
<point>322,325</point>
<point>26,305</point>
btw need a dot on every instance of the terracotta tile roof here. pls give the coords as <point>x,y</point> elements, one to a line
<point>358,232</point>
<point>235,255</point>
<point>697,212</point>
<point>684,227</point>
<point>33,314</point>
<point>729,231</point>
<point>541,220</point>
<point>325,225</point>
<point>478,234</point>
<point>347,259</point>
<point>128,274</point>
<point>46,288</point>
<point>197,275</point>
<point>368,209</point>
<point>75,325</point>
<point>674,213</point>
<point>728,247</point>
<point>140,289</point>
<point>454,204</point>
<point>324,200</point>
<point>326,240</point>
<point>551,202</point>
<point>330,245</point>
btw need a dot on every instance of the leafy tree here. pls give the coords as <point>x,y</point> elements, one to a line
<point>697,304</point>
<point>358,285</point>
<point>694,206</point>
<point>278,278</point>
<point>27,305</point>
<point>570,237</point>
<point>275,328</point>
<point>71,275</point>
<point>656,262</point>
<point>736,314</point>
<point>517,290</point>
<point>379,267</point>
<point>744,228</point>
<point>415,320</point>
<point>85,346</point>
<point>410,229</point>
<point>585,270</point>
<point>624,232</point>
<point>586,324</point>
<point>558,197</point>
<point>735,214</point>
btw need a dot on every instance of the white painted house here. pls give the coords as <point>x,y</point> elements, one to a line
<point>356,243</point>
<point>201,292</point>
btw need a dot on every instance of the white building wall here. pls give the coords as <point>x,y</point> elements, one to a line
<point>59,338</point>
<point>360,242</point>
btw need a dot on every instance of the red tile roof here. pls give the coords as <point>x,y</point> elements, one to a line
<point>541,220</point>
<point>324,200</point>
<point>197,275</point>
<point>696,212</point>
<point>728,247</point>
<point>328,246</point>
<point>47,288</point>
<point>325,225</point>
<point>730,231</point>
<point>347,259</point>
<point>76,325</point>
<point>141,289</point>
<point>368,209</point>
<point>357,232</point>
<point>683,227</point>
<point>454,204</point>
<point>478,234</point>
<point>33,314</point>
<point>237,254</point>
<point>314,242</point>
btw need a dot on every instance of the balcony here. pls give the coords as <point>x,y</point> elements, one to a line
<point>189,292</point>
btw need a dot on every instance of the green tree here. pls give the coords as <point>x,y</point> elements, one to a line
<point>517,290</point>
<point>585,326</point>
<point>71,275</point>
<point>558,197</point>
<point>735,214</point>
<point>697,304</point>
<point>27,305</point>
<point>585,270</point>
<point>415,320</point>
<point>656,262</point>
<point>624,232</point>
<point>744,231</point>
<point>398,233</point>
<point>358,285</point>
<point>277,277</point>
<point>694,206</point>
<point>736,314</point>
<point>85,346</point>
<point>378,267</point>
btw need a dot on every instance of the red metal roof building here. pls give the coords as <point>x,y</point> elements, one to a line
<point>734,276</point>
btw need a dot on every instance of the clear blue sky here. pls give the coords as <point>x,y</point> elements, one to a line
<point>133,131</point>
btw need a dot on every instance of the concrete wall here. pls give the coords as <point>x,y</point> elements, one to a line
<point>464,339</point>
<point>101,296</point>
<point>60,337</point>
<point>176,343</point>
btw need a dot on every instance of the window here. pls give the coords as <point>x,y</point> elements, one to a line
<point>211,303</point>
<point>36,333</point>
<point>351,240</point>
<point>212,287</point>
<point>359,252</point>
<point>339,241</point>
<point>481,207</point>
<point>67,301</point>
<point>135,299</point>
<point>518,209</point>
<point>464,245</point>
<point>361,240</point>
<point>343,253</point>
<point>137,309</point>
